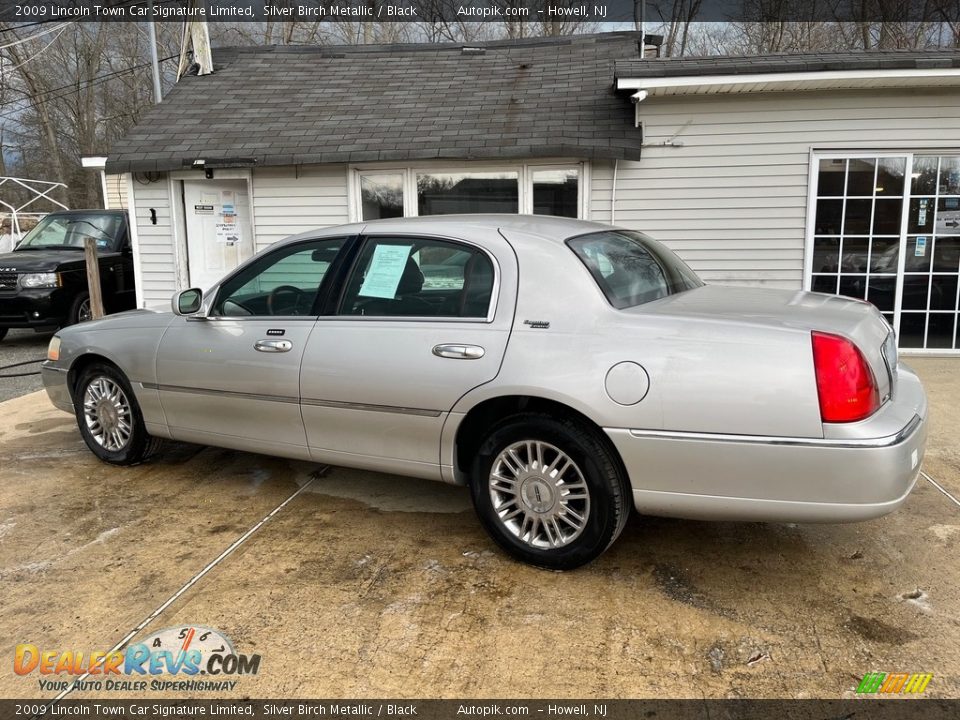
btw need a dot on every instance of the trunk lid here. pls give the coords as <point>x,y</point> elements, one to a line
<point>856,320</point>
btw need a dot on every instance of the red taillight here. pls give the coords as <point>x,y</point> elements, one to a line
<point>845,383</point>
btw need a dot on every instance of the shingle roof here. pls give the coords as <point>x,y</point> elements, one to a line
<point>288,105</point>
<point>805,62</point>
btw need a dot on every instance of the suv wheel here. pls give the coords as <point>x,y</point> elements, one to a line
<point>109,417</point>
<point>80,311</point>
<point>549,491</point>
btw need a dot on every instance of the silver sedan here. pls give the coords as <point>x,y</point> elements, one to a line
<point>563,370</point>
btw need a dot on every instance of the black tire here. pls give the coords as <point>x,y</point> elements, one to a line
<point>137,444</point>
<point>608,491</point>
<point>75,308</point>
<point>3,332</point>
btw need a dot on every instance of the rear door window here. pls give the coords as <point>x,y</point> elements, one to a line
<point>419,278</point>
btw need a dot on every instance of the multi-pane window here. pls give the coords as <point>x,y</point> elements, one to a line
<point>932,261</point>
<point>538,189</point>
<point>857,229</point>
<point>864,247</point>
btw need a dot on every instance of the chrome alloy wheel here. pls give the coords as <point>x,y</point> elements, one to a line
<point>84,313</point>
<point>107,413</point>
<point>539,494</point>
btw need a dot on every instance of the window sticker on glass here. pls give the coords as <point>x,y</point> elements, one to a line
<point>921,247</point>
<point>385,270</point>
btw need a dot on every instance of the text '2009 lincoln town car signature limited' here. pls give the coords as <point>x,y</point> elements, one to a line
<point>563,370</point>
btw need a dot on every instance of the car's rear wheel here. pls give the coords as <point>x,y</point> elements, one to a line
<point>549,491</point>
<point>109,417</point>
<point>81,310</point>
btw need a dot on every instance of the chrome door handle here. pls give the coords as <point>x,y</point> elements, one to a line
<point>273,346</point>
<point>459,352</point>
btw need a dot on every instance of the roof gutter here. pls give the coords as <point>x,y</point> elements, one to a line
<point>826,77</point>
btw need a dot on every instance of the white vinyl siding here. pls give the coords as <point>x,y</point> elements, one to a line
<point>732,198</point>
<point>158,272</point>
<point>116,186</point>
<point>290,200</point>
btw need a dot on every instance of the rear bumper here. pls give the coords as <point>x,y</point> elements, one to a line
<point>724,477</point>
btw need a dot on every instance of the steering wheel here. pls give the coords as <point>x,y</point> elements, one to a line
<point>283,300</point>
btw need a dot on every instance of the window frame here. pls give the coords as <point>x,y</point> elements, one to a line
<point>357,252</point>
<point>524,170</point>
<point>330,281</point>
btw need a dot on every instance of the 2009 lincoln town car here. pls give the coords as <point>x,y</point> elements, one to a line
<point>555,366</point>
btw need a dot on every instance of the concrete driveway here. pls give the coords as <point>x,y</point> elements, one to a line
<point>367,585</point>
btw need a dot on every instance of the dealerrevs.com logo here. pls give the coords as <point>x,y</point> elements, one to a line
<point>187,658</point>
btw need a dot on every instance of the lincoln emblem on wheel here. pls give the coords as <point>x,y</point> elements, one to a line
<point>564,371</point>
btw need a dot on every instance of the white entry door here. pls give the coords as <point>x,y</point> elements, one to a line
<point>218,228</point>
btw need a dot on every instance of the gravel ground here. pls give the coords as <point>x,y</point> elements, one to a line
<point>19,346</point>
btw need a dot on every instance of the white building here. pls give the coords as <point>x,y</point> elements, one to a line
<point>836,172</point>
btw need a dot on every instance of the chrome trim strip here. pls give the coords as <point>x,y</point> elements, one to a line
<point>888,441</point>
<point>372,408</point>
<point>220,393</point>
<point>45,365</point>
<point>286,399</point>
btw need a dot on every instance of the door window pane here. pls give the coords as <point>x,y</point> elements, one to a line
<point>940,330</point>
<point>915,292</point>
<point>946,255</point>
<point>912,328</point>
<point>890,176</point>
<point>854,286</point>
<point>924,175</point>
<point>884,256</point>
<point>826,254</point>
<point>556,192</point>
<point>949,176</point>
<point>948,216</point>
<point>419,278</point>
<point>856,217</point>
<point>829,216</point>
<point>882,292</point>
<point>478,192</point>
<point>920,217</point>
<point>860,177</point>
<point>381,196</point>
<point>886,216</point>
<point>943,292</point>
<point>854,255</point>
<point>832,178</point>
<point>283,282</point>
<point>918,254</point>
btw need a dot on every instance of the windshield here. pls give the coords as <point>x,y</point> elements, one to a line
<point>631,268</point>
<point>69,231</point>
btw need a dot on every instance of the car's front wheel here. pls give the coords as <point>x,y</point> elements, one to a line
<point>549,491</point>
<point>109,417</point>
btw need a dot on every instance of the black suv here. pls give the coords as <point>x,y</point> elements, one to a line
<point>43,282</point>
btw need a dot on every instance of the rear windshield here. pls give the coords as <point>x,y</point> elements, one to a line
<point>631,268</point>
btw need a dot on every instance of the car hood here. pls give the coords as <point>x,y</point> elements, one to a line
<point>859,321</point>
<point>22,261</point>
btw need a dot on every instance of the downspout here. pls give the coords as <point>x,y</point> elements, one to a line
<point>613,195</point>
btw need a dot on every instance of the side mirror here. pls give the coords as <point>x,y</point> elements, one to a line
<point>187,302</point>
